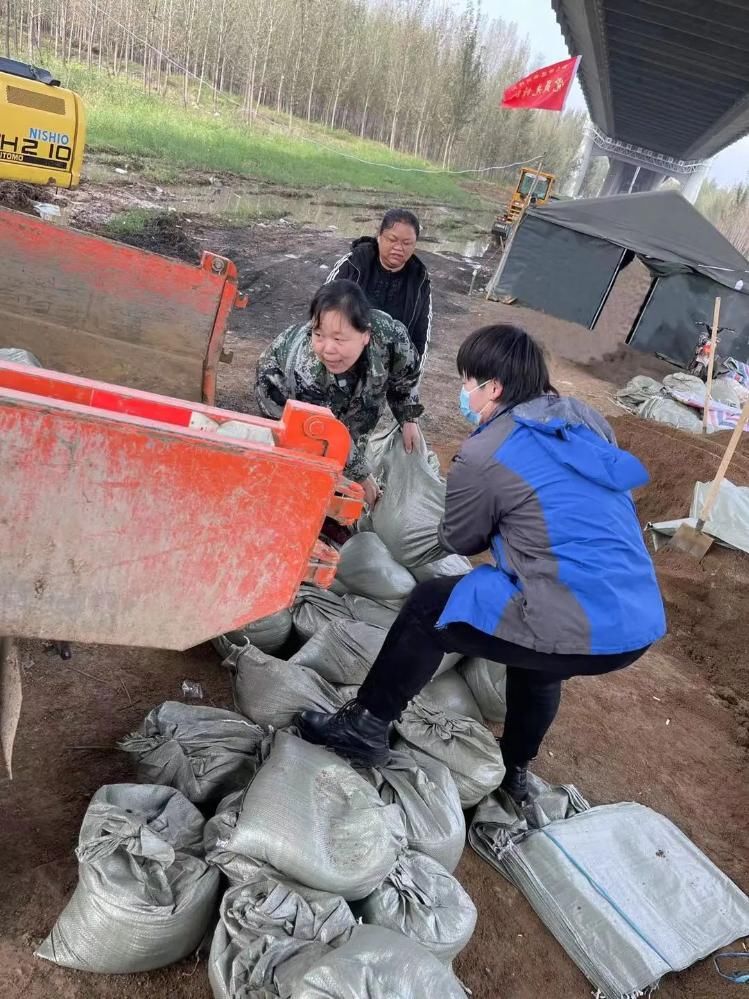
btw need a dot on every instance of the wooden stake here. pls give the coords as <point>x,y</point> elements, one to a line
<point>710,365</point>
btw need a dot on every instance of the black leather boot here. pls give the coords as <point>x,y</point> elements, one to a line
<point>352,731</point>
<point>515,782</point>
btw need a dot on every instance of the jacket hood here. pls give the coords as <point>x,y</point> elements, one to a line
<point>577,437</point>
<point>367,246</point>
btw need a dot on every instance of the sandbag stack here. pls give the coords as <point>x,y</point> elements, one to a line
<point>339,632</point>
<point>301,844</point>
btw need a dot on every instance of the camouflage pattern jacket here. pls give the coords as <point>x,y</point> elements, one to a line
<point>387,371</point>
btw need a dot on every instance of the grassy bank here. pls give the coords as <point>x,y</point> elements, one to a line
<point>125,120</point>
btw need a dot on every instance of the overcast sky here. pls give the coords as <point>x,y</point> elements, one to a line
<point>536,19</point>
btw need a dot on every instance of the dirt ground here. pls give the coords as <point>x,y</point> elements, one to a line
<point>669,732</point>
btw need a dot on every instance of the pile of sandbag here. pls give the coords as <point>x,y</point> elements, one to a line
<point>307,843</point>
<point>679,400</point>
<point>338,633</point>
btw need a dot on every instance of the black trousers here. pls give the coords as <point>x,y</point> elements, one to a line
<point>414,647</point>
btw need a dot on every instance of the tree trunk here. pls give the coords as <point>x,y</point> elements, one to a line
<point>202,68</point>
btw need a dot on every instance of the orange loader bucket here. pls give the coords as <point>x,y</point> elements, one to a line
<point>123,522</point>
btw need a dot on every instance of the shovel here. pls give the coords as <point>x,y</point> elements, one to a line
<point>692,540</point>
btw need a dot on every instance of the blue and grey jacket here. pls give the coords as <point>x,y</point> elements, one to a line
<point>545,489</point>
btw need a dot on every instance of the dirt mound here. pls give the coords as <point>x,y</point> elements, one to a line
<point>164,234</point>
<point>707,621</point>
<point>676,460</point>
<point>705,601</point>
<point>21,197</point>
<point>623,363</point>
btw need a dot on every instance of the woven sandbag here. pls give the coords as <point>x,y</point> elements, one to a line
<point>269,932</point>
<point>411,507</point>
<point>272,692</point>
<point>342,651</point>
<point>451,565</point>
<point>145,896</point>
<point>377,963</point>
<point>487,681</point>
<point>465,746</point>
<point>204,752</point>
<point>314,608</point>
<point>449,692</point>
<point>366,567</point>
<point>314,819</point>
<point>433,815</point>
<point>268,634</point>
<point>422,900</point>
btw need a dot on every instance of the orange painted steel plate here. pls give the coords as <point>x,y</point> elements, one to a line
<point>92,307</point>
<point>125,529</point>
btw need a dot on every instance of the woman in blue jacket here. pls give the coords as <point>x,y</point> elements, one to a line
<point>541,485</point>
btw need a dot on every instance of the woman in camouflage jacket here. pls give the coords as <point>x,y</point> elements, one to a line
<point>353,360</point>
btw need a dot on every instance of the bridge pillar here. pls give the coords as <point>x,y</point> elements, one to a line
<point>584,154</point>
<point>647,180</point>
<point>619,178</point>
<point>691,186</point>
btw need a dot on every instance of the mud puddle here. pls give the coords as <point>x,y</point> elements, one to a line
<point>460,231</point>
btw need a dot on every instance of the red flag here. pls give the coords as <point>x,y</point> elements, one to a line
<point>547,88</point>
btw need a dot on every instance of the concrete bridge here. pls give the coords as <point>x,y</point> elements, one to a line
<point>666,83</point>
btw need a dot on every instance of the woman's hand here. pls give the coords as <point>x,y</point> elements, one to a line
<point>411,436</point>
<point>371,491</point>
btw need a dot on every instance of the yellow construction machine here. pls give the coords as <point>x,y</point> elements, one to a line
<point>42,127</point>
<point>533,188</point>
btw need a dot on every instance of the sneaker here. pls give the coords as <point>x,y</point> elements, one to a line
<point>515,782</point>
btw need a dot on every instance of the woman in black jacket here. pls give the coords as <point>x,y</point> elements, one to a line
<point>392,276</point>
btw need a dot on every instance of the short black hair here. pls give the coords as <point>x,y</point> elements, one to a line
<point>342,296</point>
<point>511,356</point>
<point>395,215</point>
